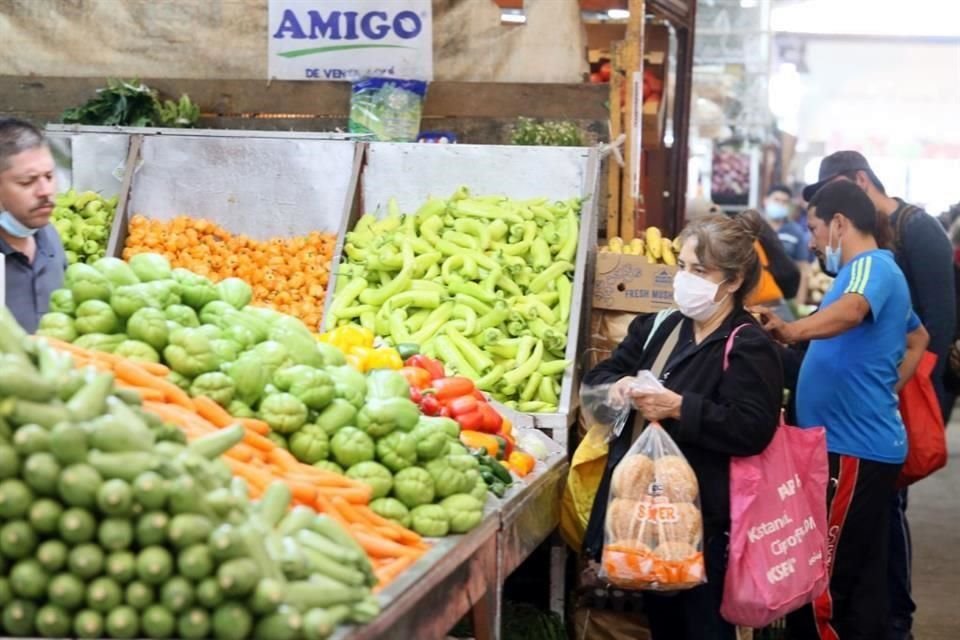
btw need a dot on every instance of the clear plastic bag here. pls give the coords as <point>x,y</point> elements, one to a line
<point>653,537</point>
<point>604,412</point>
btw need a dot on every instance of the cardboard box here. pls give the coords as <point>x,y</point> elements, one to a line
<point>630,283</point>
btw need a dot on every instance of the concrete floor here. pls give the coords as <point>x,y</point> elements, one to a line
<point>934,515</point>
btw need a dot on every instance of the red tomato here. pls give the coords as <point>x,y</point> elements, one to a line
<point>605,70</point>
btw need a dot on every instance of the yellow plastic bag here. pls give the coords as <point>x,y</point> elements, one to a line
<point>583,481</point>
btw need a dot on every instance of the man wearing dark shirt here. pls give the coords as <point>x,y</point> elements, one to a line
<point>925,256</point>
<point>777,208</point>
<point>33,254</point>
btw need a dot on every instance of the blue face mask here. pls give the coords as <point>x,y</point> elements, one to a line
<point>14,227</point>
<point>831,263</point>
<point>777,210</point>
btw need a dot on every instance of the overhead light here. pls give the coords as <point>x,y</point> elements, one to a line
<point>748,4</point>
<point>513,16</point>
<point>618,14</point>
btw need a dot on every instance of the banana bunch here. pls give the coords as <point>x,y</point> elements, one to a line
<point>652,244</point>
<point>184,113</point>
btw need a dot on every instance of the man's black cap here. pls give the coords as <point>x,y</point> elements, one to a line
<point>836,164</point>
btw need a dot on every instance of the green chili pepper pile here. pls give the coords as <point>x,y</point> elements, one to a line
<point>483,283</point>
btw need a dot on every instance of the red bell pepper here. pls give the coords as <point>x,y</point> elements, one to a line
<point>430,406</point>
<point>415,396</point>
<point>492,421</point>
<point>417,377</point>
<point>453,387</point>
<point>434,367</point>
<point>470,421</point>
<point>462,405</point>
<point>479,395</point>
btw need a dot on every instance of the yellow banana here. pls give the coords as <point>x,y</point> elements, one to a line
<point>638,247</point>
<point>667,253</point>
<point>677,244</point>
<point>616,244</point>
<point>628,250</point>
<point>654,244</point>
<point>603,249</point>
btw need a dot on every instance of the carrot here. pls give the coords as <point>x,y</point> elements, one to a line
<point>406,535</point>
<point>257,441</point>
<point>303,492</point>
<point>252,424</point>
<point>146,393</point>
<point>387,573</point>
<point>378,547</point>
<point>155,368</point>
<point>213,412</point>
<point>242,452</point>
<point>256,477</point>
<point>324,477</point>
<point>324,505</point>
<point>283,459</point>
<point>135,374</point>
<point>353,495</point>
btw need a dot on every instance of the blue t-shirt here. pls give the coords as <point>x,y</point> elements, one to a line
<point>795,242</point>
<point>847,382</point>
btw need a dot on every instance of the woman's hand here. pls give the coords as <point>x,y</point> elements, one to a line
<point>620,392</point>
<point>655,407</point>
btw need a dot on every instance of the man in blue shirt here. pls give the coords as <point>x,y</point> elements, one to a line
<point>33,254</point>
<point>865,343</point>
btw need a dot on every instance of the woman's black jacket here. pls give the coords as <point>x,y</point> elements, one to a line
<point>724,414</point>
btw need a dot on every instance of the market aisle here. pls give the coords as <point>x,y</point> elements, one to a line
<point>936,543</point>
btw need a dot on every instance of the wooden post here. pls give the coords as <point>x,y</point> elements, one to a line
<point>614,170</point>
<point>632,59</point>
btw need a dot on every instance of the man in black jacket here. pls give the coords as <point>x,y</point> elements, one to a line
<point>923,253</point>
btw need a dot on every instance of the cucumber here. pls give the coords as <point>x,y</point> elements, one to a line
<point>188,529</point>
<point>158,622</point>
<point>66,590</point>
<point>150,490</point>
<point>125,466</point>
<point>208,593</point>
<point>169,450</point>
<point>68,443</point>
<point>52,622</point>
<point>123,622</point>
<point>320,623</point>
<point>154,565</point>
<point>238,577</point>
<point>111,435</point>
<point>310,595</point>
<point>17,540</point>
<point>186,496</point>
<point>115,534</point>
<point>15,499</point>
<point>226,543</point>
<point>31,438</point>
<point>91,400</point>
<point>77,526</point>
<point>52,555</point>
<point>268,596</point>
<point>46,415</point>
<point>232,621</point>
<point>152,528</point>
<point>18,617</point>
<point>285,624</point>
<point>86,561</point>
<point>45,516</point>
<point>6,592</point>
<point>195,562</point>
<point>29,579</point>
<point>177,594</point>
<point>104,595</point>
<point>115,498</point>
<point>79,484</point>
<point>88,624</point>
<point>122,566</point>
<point>139,595</point>
<point>41,471</point>
<point>193,624</point>
<point>9,462</point>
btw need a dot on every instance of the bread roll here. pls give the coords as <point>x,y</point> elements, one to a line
<point>676,479</point>
<point>632,477</point>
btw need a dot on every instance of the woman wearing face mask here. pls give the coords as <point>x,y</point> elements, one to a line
<point>712,413</point>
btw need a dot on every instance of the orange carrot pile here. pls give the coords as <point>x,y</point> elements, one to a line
<point>391,547</point>
<point>288,274</point>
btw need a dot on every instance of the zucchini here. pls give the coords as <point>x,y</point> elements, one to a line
<point>91,400</point>
<point>31,438</point>
<point>238,577</point>
<point>134,424</point>
<point>86,561</point>
<point>88,624</point>
<point>273,505</point>
<point>226,542</point>
<point>68,443</point>
<point>152,528</point>
<point>15,499</point>
<point>6,593</point>
<point>217,443</point>
<point>121,566</point>
<point>104,595</point>
<point>52,622</point>
<point>111,435</point>
<point>41,471</point>
<point>123,622</point>
<point>125,466</point>
<point>74,382</point>
<point>79,484</point>
<point>177,594</point>
<point>21,382</point>
<point>320,563</point>
<point>158,622</point>
<point>332,550</point>
<point>285,624</point>
<point>169,450</point>
<point>44,414</point>
<point>150,490</point>
<point>208,593</point>
<point>17,540</point>
<point>195,562</point>
<point>28,579</point>
<point>18,615</point>
<point>127,396</point>
<point>9,462</point>
<point>297,519</point>
<point>320,623</point>
<point>115,534</point>
<point>77,526</point>
<point>115,498</point>
<point>193,624</point>
<point>304,595</point>
<point>6,433</point>
<point>232,621</point>
<point>187,496</point>
<point>139,595</point>
<point>188,529</point>
<point>45,516</point>
<point>66,590</point>
<point>268,596</point>
<point>52,555</point>
<point>365,610</point>
<point>154,565</point>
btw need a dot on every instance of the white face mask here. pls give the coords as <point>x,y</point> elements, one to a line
<point>696,296</point>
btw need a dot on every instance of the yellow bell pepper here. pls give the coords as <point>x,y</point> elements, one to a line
<point>384,358</point>
<point>349,336</point>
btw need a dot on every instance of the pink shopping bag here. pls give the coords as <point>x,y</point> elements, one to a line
<point>778,534</point>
